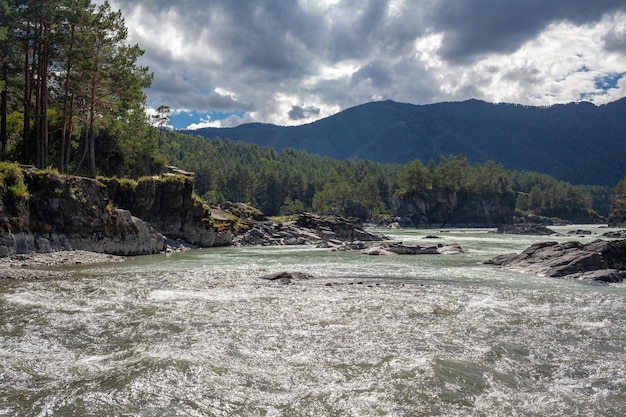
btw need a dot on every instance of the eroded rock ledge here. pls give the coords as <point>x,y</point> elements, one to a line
<point>308,229</point>
<point>600,260</point>
<point>54,212</point>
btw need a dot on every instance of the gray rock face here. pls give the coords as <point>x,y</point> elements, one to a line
<point>169,206</point>
<point>336,228</point>
<point>447,208</point>
<point>308,229</point>
<point>70,213</point>
<point>599,260</point>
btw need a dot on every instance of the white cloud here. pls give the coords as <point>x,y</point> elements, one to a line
<point>205,123</point>
<point>295,62</point>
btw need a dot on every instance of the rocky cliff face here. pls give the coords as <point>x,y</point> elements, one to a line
<point>119,217</point>
<point>168,204</point>
<point>439,208</point>
<point>70,213</point>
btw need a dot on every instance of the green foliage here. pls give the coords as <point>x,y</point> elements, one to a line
<point>75,97</point>
<point>12,180</point>
<point>292,181</point>
<point>278,183</point>
<point>543,195</point>
<point>618,202</point>
<point>291,207</point>
<point>620,188</point>
<point>414,177</point>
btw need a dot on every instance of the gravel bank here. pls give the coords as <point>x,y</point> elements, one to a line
<point>45,265</point>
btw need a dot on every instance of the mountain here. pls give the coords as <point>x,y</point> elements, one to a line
<point>577,142</point>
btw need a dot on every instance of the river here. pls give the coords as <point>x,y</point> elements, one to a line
<point>199,334</point>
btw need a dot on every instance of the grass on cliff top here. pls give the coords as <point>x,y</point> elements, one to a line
<point>12,179</point>
<point>132,183</point>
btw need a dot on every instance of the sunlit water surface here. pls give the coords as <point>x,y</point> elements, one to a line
<point>199,334</point>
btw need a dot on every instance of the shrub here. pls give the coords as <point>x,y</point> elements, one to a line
<point>12,180</point>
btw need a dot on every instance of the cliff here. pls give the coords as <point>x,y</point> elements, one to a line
<point>43,211</point>
<point>450,208</point>
<point>168,204</point>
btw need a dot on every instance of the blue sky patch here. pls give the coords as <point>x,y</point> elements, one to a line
<point>182,120</point>
<point>609,81</point>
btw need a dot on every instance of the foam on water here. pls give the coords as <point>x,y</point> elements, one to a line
<point>201,335</point>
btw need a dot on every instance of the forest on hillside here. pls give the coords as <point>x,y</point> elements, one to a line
<point>577,142</point>
<point>72,99</point>
<point>292,181</point>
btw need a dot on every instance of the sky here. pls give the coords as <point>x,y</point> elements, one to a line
<point>222,63</point>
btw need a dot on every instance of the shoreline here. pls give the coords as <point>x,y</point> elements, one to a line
<point>43,265</point>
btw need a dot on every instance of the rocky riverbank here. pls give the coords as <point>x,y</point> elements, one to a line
<point>441,208</point>
<point>43,211</point>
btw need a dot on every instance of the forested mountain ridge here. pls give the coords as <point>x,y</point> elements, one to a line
<point>577,142</point>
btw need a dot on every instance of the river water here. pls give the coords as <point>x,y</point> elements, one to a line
<point>199,334</point>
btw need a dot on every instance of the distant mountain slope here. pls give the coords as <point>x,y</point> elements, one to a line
<point>580,143</point>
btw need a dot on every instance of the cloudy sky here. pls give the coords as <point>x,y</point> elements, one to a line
<point>227,62</point>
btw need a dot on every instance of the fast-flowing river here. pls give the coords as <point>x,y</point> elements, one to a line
<point>200,334</point>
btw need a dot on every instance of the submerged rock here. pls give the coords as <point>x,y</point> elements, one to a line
<point>579,232</point>
<point>286,277</point>
<point>600,260</point>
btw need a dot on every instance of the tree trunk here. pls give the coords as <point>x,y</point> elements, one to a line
<point>66,132</point>
<point>27,98</point>
<point>91,142</point>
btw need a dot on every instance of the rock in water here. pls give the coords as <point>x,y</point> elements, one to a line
<point>309,229</point>
<point>600,260</point>
<point>525,229</point>
<point>285,277</point>
<point>399,248</point>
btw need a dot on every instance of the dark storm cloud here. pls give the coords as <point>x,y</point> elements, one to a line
<point>615,41</point>
<point>299,112</point>
<point>378,73</point>
<point>266,57</point>
<point>475,27</point>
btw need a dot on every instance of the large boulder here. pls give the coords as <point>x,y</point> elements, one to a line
<point>399,248</point>
<point>600,260</point>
